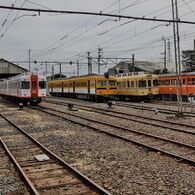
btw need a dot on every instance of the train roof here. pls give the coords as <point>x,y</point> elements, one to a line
<point>134,75</point>
<point>174,74</point>
<point>82,77</point>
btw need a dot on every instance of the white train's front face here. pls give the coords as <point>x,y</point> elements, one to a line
<point>42,87</point>
<point>25,87</point>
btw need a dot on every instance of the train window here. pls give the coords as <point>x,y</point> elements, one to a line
<point>142,83</point>
<point>112,82</point>
<point>42,84</point>
<point>128,84</point>
<point>172,82</point>
<point>34,85</point>
<point>155,82</point>
<point>25,85</point>
<point>168,82</point>
<point>149,83</point>
<point>193,81</point>
<point>102,83</point>
<point>132,84</point>
<point>189,82</point>
<point>184,81</point>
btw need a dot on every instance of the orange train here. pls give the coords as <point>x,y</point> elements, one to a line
<point>168,86</point>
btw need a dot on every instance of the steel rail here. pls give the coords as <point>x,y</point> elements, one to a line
<point>123,128</point>
<point>161,110</point>
<point>25,178</point>
<point>84,178</point>
<point>128,114</point>
<point>190,161</point>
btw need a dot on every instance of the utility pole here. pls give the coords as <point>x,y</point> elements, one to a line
<point>99,58</point>
<point>89,63</point>
<point>194,49</point>
<point>77,68</point>
<point>46,68</point>
<point>133,62</point>
<point>169,51</point>
<point>177,57</point>
<point>60,64</point>
<point>165,55</point>
<point>29,59</point>
<point>52,70</point>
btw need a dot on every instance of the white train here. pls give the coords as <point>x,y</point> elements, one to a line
<point>24,88</point>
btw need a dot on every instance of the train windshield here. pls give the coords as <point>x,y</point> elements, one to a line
<point>25,85</point>
<point>142,83</point>
<point>112,83</point>
<point>42,84</point>
<point>155,83</point>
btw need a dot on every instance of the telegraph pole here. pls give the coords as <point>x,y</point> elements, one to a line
<point>77,68</point>
<point>165,55</point>
<point>99,58</point>
<point>177,57</point>
<point>46,68</point>
<point>52,70</point>
<point>169,51</point>
<point>60,64</point>
<point>194,49</point>
<point>89,63</point>
<point>29,59</point>
<point>133,62</point>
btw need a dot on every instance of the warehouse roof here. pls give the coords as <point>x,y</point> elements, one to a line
<point>9,69</point>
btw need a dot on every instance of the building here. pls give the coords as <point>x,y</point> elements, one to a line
<point>9,69</point>
<point>139,66</point>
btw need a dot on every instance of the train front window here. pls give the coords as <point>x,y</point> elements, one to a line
<point>112,83</point>
<point>155,83</point>
<point>25,85</point>
<point>42,84</point>
<point>142,83</point>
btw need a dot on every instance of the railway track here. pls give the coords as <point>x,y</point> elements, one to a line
<point>10,181</point>
<point>149,108</point>
<point>176,149</point>
<point>42,171</point>
<point>136,118</point>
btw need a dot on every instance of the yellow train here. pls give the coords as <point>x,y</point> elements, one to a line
<point>137,86</point>
<point>90,87</point>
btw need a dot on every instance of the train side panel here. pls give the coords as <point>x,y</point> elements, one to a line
<point>168,86</point>
<point>84,87</point>
<point>137,87</point>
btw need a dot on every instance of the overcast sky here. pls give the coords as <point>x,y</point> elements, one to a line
<point>63,37</point>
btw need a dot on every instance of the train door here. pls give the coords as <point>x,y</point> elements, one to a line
<point>34,86</point>
<point>62,87</point>
<point>52,87</point>
<point>149,86</point>
<point>88,84</point>
<point>74,87</point>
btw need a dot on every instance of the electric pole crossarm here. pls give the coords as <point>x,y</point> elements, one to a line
<point>96,14</point>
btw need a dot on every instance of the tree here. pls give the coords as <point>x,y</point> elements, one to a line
<point>188,60</point>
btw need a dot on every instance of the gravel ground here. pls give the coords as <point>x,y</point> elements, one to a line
<point>10,182</point>
<point>163,132</point>
<point>120,167</point>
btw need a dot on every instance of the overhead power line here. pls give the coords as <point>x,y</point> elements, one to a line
<point>97,14</point>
